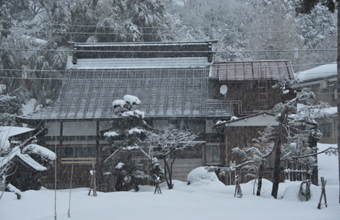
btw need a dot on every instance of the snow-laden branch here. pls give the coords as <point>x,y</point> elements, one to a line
<point>330,150</point>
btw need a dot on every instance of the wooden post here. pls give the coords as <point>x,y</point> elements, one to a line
<point>93,180</point>
<point>338,90</point>
<point>238,191</point>
<point>323,192</point>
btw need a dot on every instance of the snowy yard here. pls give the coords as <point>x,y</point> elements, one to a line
<point>202,200</point>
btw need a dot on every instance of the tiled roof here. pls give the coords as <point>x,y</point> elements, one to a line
<point>164,92</point>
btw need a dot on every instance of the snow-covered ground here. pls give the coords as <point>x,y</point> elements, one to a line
<point>206,199</point>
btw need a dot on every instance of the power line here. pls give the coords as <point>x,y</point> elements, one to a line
<point>172,51</point>
<point>152,27</point>
<point>140,33</point>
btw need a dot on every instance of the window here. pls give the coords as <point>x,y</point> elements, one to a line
<point>325,129</point>
<point>335,97</point>
<point>83,155</point>
<point>212,154</point>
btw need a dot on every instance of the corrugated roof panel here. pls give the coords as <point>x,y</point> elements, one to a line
<point>248,72</point>
<point>163,92</point>
<point>239,71</point>
<point>252,70</point>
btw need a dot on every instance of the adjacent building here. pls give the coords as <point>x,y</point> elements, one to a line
<point>322,80</point>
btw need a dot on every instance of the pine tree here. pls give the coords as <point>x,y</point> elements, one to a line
<point>9,107</point>
<point>306,6</point>
<point>129,21</point>
<point>131,128</point>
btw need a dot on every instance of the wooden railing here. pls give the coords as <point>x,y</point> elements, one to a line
<point>78,160</point>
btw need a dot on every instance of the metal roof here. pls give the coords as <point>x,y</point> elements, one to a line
<point>252,70</point>
<point>164,92</point>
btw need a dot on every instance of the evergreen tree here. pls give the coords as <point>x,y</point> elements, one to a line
<point>82,21</point>
<point>9,107</point>
<point>156,172</point>
<point>129,20</point>
<point>131,128</point>
<point>306,6</point>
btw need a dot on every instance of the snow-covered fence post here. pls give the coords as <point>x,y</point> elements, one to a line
<point>304,192</point>
<point>238,191</point>
<point>93,180</point>
<point>232,165</point>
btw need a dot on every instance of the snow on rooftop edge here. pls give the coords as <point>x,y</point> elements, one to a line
<point>24,157</point>
<point>31,162</point>
<point>317,72</point>
<point>8,131</point>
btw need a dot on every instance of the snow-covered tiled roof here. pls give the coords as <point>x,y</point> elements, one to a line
<point>170,78</point>
<point>32,163</point>
<point>164,92</point>
<point>8,131</point>
<point>15,152</point>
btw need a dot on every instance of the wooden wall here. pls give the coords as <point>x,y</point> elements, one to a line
<point>248,93</point>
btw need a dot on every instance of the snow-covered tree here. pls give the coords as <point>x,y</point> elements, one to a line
<point>166,144</point>
<point>223,20</point>
<point>131,128</point>
<point>130,20</point>
<point>127,174</point>
<point>82,21</point>
<point>289,130</point>
<point>156,171</point>
<point>306,6</point>
<point>254,157</point>
<point>317,30</point>
<point>9,107</point>
<point>272,29</point>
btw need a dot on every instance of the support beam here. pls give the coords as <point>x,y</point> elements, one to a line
<point>338,67</point>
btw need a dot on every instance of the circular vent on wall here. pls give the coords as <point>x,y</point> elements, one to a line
<point>223,90</point>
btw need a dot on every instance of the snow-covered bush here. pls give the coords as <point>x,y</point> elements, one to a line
<point>156,172</point>
<point>201,175</point>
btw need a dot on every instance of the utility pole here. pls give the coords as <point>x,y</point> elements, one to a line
<point>338,67</point>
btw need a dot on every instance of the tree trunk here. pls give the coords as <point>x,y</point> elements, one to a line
<point>276,180</point>
<point>168,177</point>
<point>165,169</point>
<point>259,184</point>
